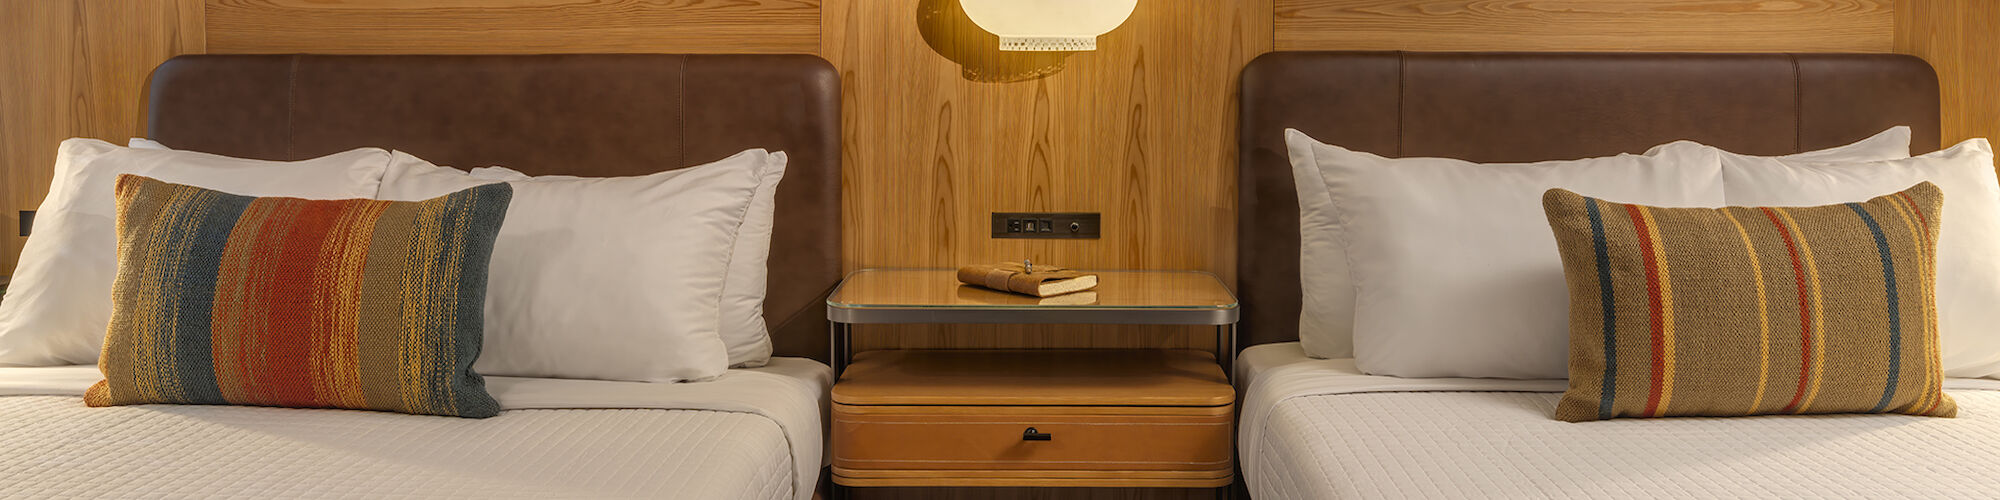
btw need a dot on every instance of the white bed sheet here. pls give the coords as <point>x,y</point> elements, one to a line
<point>753,433</point>
<point>1319,429</point>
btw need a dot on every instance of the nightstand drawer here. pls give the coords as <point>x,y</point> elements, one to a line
<point>1110,418</point>
<point>990,438</point>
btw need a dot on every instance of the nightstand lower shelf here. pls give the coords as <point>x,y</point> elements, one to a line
<point>1049,479</point>
<point>1094,418</point>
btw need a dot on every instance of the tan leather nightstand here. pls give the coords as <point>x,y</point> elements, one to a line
<point>1140,418</point>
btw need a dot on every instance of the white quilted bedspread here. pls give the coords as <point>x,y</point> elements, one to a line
<point>1318,429</point>
<point>557,439</point>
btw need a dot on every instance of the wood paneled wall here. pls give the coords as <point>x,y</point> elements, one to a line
<point>1962,39</point>
<point>512,26</point>
<point>1587,25</point>
<point>1141,130</point>
<point>74,68</point>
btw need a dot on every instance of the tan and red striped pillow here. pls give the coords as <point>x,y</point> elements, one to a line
<point>1751,310</point>
<point>358,304</point>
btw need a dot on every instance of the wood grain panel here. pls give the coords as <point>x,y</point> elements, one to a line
<point>1122,377</point>
<point>75,68</point>
<point>1957,37</point>
<point>1133,418</point>
<point>512,26</point>
<point>1586,25</point>
<point>1035,493</point>
<point>1141,130</point>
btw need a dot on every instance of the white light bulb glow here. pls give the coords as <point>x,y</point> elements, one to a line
<point>1049,25</point>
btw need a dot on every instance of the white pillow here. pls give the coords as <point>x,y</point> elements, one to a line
<point>1326,291</point>
<point>1326,318</point>
<point>1454,268</point>
<point>59,303</point>
<point>142,143</point>
<point>614,279</point>
<point>743,331</point>
<point>1891,144</point>
<point>1968,265</point>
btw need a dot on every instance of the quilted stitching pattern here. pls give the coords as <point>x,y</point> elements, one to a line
<point>54,447</point>
<point>1505,445</point>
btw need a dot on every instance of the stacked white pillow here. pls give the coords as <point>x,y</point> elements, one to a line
<point>743,332</point>
<point>59,302</point>
<point>1968,253</point>
<point>607,278</point>
<point>1425,267</point>
<point>1453,267</point>
<point>656,278</point>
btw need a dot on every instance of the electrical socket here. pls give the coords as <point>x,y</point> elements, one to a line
<point>1046,225</point>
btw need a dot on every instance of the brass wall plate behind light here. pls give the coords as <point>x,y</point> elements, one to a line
<point>952,34</point>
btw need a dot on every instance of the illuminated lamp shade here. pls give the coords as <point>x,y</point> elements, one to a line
<point>1049,25</point>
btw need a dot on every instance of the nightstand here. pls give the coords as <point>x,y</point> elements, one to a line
<point>1143,418</point>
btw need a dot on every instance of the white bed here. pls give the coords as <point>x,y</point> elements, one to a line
<point>1319,429</point>
<point>752,434</point>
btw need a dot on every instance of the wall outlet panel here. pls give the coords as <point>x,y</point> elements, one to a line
<point>1046,225</point>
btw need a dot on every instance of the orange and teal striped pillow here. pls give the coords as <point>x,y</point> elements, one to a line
<point>359,304</point>
<point>1751,310</point>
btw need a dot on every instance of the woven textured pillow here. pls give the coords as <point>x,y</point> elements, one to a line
<point>1750,311</point>
<point>357,304</point>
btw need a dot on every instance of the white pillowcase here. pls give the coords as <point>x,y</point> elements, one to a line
<point>1454,268</point>
<point>59,303</point>
<point>1326,320</point>
<point>1968,267</point>
<point>1326,291</point>
<point>743,331</point>
<point>1891,144</point>
<point>614,279</point>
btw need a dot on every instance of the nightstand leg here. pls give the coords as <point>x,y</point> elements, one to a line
<point>1225,350</point>
<point>838,332</point>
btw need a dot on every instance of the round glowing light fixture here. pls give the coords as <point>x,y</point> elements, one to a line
<point>1049,25</point>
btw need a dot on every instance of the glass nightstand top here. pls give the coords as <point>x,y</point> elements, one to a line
<point>1116,290</point>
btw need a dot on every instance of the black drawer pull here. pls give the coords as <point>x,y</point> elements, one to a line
<point>1033,435</point>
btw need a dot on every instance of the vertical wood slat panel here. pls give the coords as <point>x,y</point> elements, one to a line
<point>1141,130</point>
<point>1957,37</point>
<point>75,68</point>
<point>1586,25</point>
<point>512,26</point>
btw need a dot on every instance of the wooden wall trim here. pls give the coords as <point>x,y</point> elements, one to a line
<point>1958,38</point>
<point>1586,25</point>
<point>512,26</point>
<point>75,68</point>
<point>1141,130</point>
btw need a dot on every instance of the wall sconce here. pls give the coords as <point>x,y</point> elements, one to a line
<point>1048,25</point>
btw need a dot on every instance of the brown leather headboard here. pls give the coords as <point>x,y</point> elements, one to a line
<point>588,115</point>
<point>1519,107</point>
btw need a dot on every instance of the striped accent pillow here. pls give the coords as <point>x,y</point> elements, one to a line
<point>358,304</point>
<point>1751,311</point>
